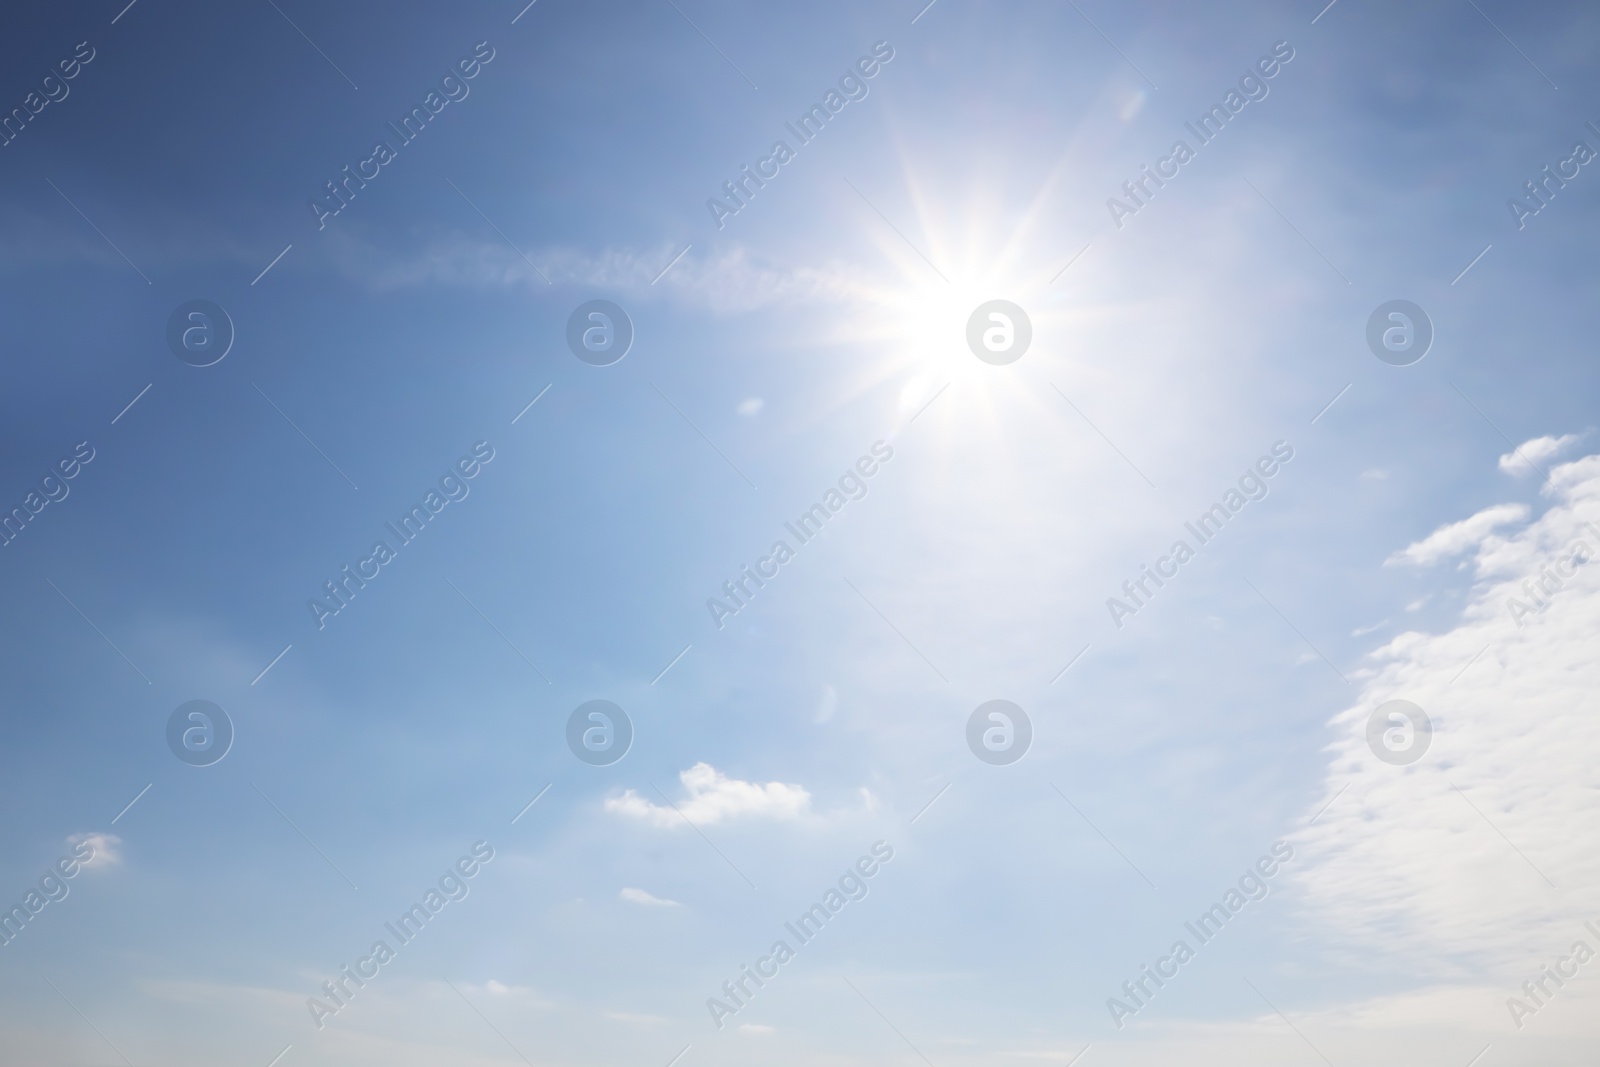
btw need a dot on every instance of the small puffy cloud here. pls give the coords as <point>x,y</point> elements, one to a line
<point>1525,458</point>
<point>756,1029</point>
<point>751,406</point>
<point>107,850</point>
<point>1455,538</point>
<point>711,797</point>
<point>640,896</point>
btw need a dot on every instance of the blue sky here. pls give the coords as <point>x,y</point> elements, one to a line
<point>1168,355</point>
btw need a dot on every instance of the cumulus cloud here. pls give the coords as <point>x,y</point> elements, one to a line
<point>1526,458</point>
<point>1455,538</point>
<point>1454,861</point>
<point>711,797</point>
<point>107,850</point>
<point>640,896</point>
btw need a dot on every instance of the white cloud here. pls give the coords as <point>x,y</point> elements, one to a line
<point>107,850</point>
<point>730,281</point>
<point>1446,860</point>
<point>712,796</point>
<point>1456,537</point>
<point>757,1029</point>
<point>751,406</point>
<point>1526,457</point>
<point>640,896</point>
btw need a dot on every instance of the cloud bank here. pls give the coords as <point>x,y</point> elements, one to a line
<point>1475,858</point>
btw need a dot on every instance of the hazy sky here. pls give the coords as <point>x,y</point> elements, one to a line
<point>1207,333</point>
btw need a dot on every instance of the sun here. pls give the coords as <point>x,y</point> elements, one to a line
<point>913,310</point>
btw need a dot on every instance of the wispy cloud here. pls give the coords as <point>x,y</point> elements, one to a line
<point>827,704</point>
<point>733,279</point>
